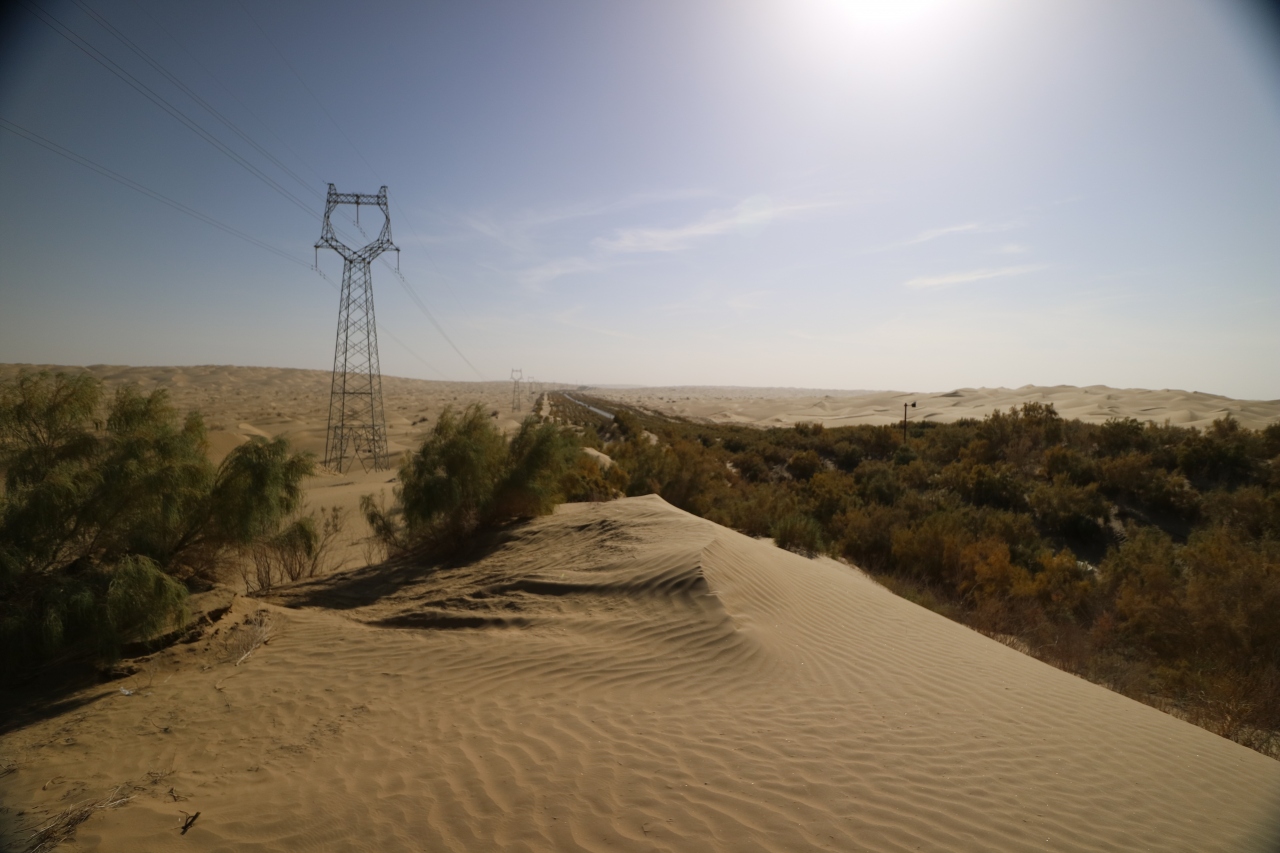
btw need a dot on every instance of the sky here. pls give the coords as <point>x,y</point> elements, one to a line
<point>862,194</point>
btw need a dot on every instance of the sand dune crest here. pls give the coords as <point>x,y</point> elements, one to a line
<point>638,679</point>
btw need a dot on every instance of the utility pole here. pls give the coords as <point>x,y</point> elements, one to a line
<point>516,376</point>
<point>904,421</point>
<point>357,425</point>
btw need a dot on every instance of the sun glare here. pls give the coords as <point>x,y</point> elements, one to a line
<point>884,13</point>
<point>831,33</point>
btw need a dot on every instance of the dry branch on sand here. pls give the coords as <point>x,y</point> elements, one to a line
<point>63,825</point>
<point>242,640</point>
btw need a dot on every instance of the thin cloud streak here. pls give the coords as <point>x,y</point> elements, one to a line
<point>971,276</point>
<point>750,212</point>
<point>946,231</point>
<point>935,233</point>
<point>536,277</point>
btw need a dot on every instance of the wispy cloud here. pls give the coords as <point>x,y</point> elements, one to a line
<point>749,212</point>
<point>1012,249</point>
<point>950,279</point>
<point>946,231</point>
<point>570,319</point>
<point>535,277</point>
<point>935,233</point>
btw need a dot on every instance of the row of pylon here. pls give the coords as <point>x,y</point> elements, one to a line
<point>533,388</point>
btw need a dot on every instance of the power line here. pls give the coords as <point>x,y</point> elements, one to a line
<point>172,78</point>
<point>94,53</point>
<point>54,147</point>
<point>382,328</point>
<point>372,171</point>
<point>319,103</point>
<point>265,125</point>
<point>423,308</point>
<point>150,94</point>
<point>81,160</point>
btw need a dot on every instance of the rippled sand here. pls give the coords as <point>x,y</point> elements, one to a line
<point>625,676</point>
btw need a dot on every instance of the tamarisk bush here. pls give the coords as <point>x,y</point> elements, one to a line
<point>109,515</point>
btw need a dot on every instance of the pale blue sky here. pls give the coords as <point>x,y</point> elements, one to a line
<point>921,194</point>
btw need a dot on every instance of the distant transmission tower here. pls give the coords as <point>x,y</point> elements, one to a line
<point>516,376</point>
<point>357,425</point>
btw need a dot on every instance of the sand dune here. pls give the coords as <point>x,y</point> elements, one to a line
<point>625,676</point>
<point>238,402</point>
<point>1095,404</point>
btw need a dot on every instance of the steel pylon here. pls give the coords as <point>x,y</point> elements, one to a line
<point>357,425</point>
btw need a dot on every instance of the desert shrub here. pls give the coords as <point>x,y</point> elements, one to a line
<point>1016,436</point>
<point>1271,441</point>
<point>1220,456</point>
<point>538,458</point>
<point>467,476</point>
<point>804,465</point>
<point>1251,511</point>
<point>300,550</point>
<point>694,480</point>
<point>1144,583</point>
<point>1133,477</point>
<point>1063,461</point>
<point>1068,510</point>
<point>1232,598</point>
<point>848,455</point>
<point>105,519</point>
<point>827,494</point>
<point>904,455</point>
<point>865,534</point>
<point>984,485</point>
<point>755,512</point>
<point>877,482</point>
<point>648,464</point>
<point>930,550</point>
<point>1064,586</point>
<point>994,587</point>
<point>588,480</point>
<point>798,532</point>
<point>878,442</point>
<point>1122,435</point>
<point>751,466</point>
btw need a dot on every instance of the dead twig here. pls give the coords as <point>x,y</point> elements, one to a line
<point>242,640</point>
<point>63,825</point>
<point>191,819</point>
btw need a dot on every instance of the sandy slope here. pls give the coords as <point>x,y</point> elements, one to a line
<point>239,402</point>
<point>625,676</point>
<point>1096,403</point>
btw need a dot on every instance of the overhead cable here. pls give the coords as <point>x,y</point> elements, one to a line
<point>79,159</point>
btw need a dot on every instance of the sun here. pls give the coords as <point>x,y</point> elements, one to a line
<point>883,13</point>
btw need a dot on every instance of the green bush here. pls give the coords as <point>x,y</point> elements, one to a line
<point>105,520</point>
<point>467,476</point>
<point>804,465</point>
<point>798,532</point>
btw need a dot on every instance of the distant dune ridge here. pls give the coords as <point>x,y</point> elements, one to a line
<point>625,676</point>
<point>1093,404</point>
<point>241,401</point>
<point>618,676</point>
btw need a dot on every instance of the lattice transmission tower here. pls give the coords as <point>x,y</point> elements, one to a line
<point>357,426</point>
<point>517,376</point>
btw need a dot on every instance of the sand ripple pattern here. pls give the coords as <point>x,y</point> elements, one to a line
<point>633,678</point>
